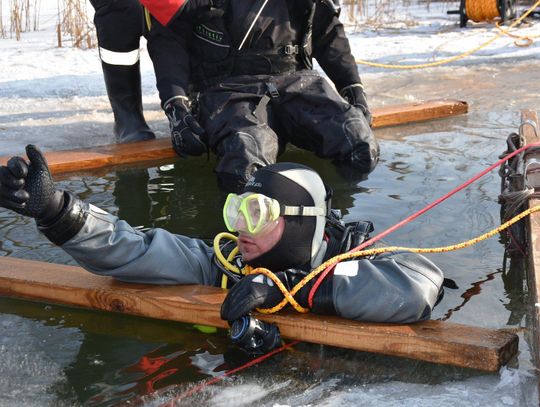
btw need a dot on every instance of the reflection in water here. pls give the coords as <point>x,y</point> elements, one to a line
<point>469,293</point>
<point>514,280</point>
<point>186,199</point>
<point>131,196</point>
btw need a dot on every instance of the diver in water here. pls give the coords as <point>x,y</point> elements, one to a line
<point>284,223</point>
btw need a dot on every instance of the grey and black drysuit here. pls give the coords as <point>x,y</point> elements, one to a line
<point>248,67</point>
<point>398,287</point>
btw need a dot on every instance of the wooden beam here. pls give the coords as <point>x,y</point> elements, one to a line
<point>432,341</point>
<point>87,159</point>
<point>418,112</point>
<point>529,119</point>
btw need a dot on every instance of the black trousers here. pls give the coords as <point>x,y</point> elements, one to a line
<point>249,120</point>
<point>119,24</point>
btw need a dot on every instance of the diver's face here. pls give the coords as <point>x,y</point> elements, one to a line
<point>252,247</point>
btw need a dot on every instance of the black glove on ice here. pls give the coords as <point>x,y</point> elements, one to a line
<point>355,95</point>
<point>186,132</point>
<point>27,187</point>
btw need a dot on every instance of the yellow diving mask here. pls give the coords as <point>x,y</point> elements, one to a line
<point>254,213</point>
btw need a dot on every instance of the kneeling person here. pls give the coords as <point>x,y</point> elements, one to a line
<point>284,222</point>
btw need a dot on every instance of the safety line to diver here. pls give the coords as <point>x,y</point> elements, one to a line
<point>455,57</point>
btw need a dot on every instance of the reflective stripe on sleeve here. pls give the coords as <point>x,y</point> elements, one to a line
<point>119,58</point>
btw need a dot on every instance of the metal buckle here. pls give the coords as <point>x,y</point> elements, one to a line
<point>272,90</point>
<point>290,49</point>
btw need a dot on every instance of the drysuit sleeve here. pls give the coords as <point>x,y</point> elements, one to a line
<point>399,287</point>
<point>105,245</point>
<point>331,46</point>
<point>169,54</point>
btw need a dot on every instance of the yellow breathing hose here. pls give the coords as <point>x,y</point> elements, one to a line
<point>227,262</point>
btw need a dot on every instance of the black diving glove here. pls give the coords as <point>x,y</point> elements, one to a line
<point>258,291</point>
<point>28,188</point>
<point>252,291</point>
<point>355,95</point>
<point>186,132</point>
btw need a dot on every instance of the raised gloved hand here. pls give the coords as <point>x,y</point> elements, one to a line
<point>186,132</point>
<point>355,95</point>
<point>27,187</point>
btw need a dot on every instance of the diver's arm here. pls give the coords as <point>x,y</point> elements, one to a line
<point>99,241</point>
<point>106,245</point>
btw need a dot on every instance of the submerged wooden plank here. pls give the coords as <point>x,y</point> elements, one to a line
<point>86,159</point>
<point>529,119</point>
<point>432,341</point>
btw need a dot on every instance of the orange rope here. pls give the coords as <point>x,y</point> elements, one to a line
<point>481,10</point>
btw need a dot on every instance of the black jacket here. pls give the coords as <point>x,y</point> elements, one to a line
<point>210,44</point>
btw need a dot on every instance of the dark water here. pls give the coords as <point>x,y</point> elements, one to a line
<point>59,356</point>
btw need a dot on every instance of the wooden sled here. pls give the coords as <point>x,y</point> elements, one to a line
<point>160,150</point>
<point>432,341</point>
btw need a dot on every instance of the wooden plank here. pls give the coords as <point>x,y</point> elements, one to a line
<point>418,112</point>
<point>432,341</point>
<point>87,159</point>
<point>533,229</point>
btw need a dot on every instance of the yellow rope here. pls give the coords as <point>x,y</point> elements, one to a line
<point>289,296</point>
<point>526,40</point>
<point>147,19</point>
<point>456,57</point>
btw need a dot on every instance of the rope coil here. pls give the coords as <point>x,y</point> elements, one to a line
<point>456,57</point>
<point>482,10</point>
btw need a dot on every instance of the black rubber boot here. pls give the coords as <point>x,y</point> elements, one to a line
<point>123,85</point>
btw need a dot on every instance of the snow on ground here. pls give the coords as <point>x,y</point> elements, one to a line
<point>424,36</point>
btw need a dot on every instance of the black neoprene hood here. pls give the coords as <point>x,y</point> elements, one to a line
<point>294,185</point>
